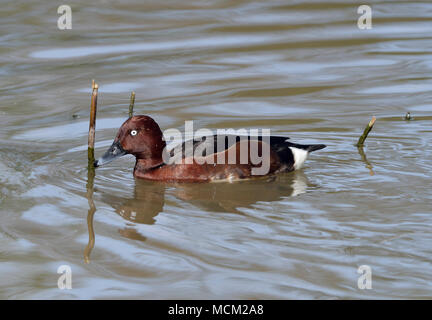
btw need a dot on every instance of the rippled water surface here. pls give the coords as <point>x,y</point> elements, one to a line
<point>301,68</point>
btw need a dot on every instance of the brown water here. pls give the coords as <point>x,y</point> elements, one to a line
<point>301,68</point>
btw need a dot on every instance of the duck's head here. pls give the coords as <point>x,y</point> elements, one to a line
<point>139,136</point>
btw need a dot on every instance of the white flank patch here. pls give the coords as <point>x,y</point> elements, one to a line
<point>300,157</point>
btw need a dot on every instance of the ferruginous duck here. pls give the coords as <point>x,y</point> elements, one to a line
<point>204,159</point>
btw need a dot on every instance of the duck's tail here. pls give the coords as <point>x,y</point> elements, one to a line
<point>315,147</point>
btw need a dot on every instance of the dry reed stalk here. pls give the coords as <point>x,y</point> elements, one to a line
<point>366,131</point>
<point>92,125</point>
<point>131,104</point>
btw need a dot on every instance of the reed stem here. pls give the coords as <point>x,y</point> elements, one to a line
<point>366,131</point>
<point>131,104</point>
<point>92,125</point>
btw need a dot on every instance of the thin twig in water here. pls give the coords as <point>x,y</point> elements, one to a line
<point>366,131</point>
<point>92,125</point>
<point>131,104</point>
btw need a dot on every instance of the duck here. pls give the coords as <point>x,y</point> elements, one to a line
<point>211,158</point>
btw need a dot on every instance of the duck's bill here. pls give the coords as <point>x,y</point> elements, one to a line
<point>115,151</point>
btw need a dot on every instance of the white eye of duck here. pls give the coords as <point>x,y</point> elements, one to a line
<point>134,132</point>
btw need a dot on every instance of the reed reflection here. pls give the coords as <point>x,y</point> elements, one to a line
<point>90,214</point>
<point>365,160</point>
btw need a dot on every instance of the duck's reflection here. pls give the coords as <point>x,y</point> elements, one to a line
<point>149,197</point>
<point>148,200</point>
<point>231,197</point>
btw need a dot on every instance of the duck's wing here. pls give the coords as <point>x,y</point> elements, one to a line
<point>207,145</point>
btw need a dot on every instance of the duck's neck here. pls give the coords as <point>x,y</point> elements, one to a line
<point>143,165</point>
<point>150,157</point>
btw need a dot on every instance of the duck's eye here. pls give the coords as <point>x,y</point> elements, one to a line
<point>134,132</point>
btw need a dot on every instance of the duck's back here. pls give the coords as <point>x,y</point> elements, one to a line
<point>219,157</point>
<point>207,145</point>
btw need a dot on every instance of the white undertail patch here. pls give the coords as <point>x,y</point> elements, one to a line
<point>300,157</point>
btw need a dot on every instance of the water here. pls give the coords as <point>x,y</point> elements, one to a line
<point>301,68</point>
